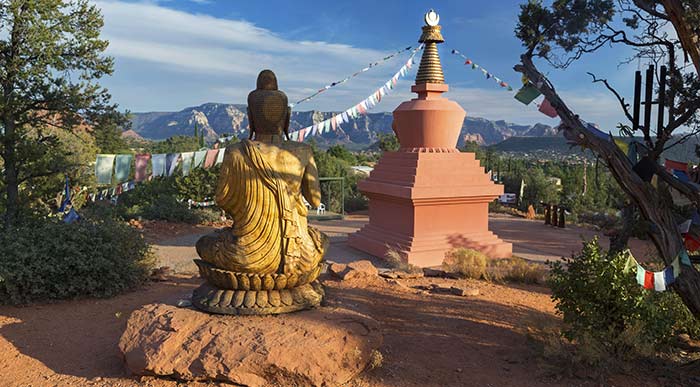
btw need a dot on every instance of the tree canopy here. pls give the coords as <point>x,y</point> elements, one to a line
<point>51,57</point>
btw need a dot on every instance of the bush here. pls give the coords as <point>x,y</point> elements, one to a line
<point>44,260</point>
<point>155,200</point>
<point>607,314</point>
<point>467,263</point>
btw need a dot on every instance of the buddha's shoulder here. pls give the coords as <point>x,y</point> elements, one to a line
<point>297,146</point>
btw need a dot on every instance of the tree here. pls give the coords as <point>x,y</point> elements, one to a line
<point>538,188</point>
<point>51,56</point>
<point>568,29</point>
<point>388,142</point>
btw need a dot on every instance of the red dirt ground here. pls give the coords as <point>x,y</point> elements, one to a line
<point>429,339</point>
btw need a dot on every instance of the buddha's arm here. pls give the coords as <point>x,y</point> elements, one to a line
<point>310,186</point>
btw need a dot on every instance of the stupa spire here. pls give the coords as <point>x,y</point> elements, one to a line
<point>430,69</point>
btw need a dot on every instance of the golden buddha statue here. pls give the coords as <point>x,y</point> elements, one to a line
<point>268,261</point>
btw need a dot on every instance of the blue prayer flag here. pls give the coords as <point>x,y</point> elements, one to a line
<point>669,277</point>
<point>66,196</point>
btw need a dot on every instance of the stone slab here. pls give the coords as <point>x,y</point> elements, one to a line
<point>320,347</point>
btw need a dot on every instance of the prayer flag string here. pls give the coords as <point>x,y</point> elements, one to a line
<point>359,109</point>
<point>486,73</point>
<point>525,94</point>
<point>659,280</point>
<point>371,65</point>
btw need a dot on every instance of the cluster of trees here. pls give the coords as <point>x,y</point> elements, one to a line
<point>561,33</point>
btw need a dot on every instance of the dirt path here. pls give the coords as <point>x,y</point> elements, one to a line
<point>531,239</point>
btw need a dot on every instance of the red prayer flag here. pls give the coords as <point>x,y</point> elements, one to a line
<point>672,164</point>
<point>302,132</point>
<point>547,109</point>
<point>691,243</point>
<point>141,166</point>
<point>648,280</point>
<point>210,159</point>
<point>468,62</point>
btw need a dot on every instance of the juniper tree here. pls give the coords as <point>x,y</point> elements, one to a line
<point>51,57</point>
<point>562,33</point>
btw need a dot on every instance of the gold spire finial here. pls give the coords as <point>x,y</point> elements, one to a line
<point>430,69</point>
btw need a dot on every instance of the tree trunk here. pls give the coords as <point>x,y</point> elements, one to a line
<point>619,240</point>
<point>11,173</point>
<point>651,205</point>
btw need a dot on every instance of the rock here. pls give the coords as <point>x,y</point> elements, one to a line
<point>429,272</point>
<point>464,291</point>
<point>400,274</point>
<point>337,269</point>
<point>410,274</point>
<point>360,269</point>
<point>399,284</point>
<point>320,347</point>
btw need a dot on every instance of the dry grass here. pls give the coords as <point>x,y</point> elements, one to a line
<point>466,263</point>
<point>470,263</point>
<point>396,261</point>
<point>517,269</point>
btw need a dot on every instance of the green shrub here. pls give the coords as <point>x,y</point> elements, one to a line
<point>45,260</point>
<point>467,263</point>
<point>607,314</point>
<point>158,199</point>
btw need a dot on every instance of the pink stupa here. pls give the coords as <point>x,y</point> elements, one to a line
<point>428,198</point>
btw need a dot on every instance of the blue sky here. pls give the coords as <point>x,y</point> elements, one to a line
<point>173,54</point>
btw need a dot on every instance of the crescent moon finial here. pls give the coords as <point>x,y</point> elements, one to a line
<point>432,18</point>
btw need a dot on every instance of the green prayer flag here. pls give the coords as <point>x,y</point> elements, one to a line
<point>122,168</point>
<point>527,94</point>
<point>103,169</point>
<point>199,158</point>
<point>684,257</point>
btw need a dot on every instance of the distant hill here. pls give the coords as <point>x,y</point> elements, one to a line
<point>217,119</point>
<point>558,145</point>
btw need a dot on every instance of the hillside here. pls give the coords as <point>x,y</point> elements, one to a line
<point>557,146</point>
<point>217,119</point>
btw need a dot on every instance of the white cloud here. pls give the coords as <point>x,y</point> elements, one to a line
<point>168,59</point>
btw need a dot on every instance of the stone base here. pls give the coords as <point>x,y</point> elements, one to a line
<point>321,347</point>
<point>257,302</point>
<point>426,250</point>
<point>424,204</point>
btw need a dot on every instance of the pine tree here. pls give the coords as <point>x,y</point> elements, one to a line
<point>51,57</point>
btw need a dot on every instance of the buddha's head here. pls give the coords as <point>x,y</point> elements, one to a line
<point>267,80</point>
<point>267,106</point>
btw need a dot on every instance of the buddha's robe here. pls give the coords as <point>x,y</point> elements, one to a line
<point>260,187</point>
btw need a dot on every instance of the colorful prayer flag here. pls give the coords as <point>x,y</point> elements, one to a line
<point>103,169</point>
<point>527,94</point>
<point>187,158</point>
<point>210,158</point>
<point>158,164</point>
<point>220,156</point>
<point>672,164</point>
<point>199,158</point>
<point>141,166</point>
<point>648,280</point>
<point>171,161</point>
<point>122,168</point>
<point>547,109</point>
<point>669,276</point>
<point>659,281</point>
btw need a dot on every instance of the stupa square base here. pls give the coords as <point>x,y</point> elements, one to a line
<point>426,250</point>
<point>424,204</point>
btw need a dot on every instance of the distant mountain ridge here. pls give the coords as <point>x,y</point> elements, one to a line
<point>218,118</point>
